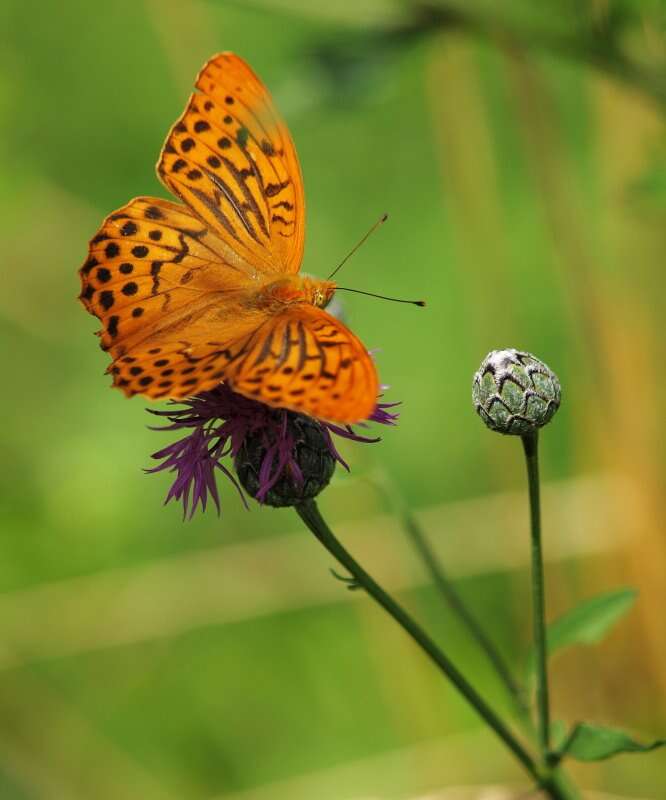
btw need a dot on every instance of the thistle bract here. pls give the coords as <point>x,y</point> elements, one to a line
<point>302,459</point>
<point>514,392</point>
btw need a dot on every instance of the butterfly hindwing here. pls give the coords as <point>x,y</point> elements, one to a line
<point>306,360</point>
<point>173,367</point>
<point>231,159</point>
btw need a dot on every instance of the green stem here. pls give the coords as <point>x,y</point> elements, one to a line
<point>309,513</point>
<point>455,602</point>
<point>531,448</point>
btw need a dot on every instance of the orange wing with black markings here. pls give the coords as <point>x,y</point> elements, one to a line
<point>151,267</point>
<point>232,160</point>
<point>306,360</point>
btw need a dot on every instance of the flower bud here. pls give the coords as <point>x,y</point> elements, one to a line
<point>295,467</point>
<point>515,393</point>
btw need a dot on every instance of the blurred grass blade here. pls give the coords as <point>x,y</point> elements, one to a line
<point>587,623</point>
<point>589,742</point>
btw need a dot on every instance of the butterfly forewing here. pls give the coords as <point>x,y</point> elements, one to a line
<point>231,159</point>
<point>152,264</point>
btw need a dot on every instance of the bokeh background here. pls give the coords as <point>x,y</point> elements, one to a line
<point>520,151</point>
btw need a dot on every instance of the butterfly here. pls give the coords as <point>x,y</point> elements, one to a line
<point>207,290</point>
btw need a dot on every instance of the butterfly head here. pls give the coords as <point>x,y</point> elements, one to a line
<point>319,293</point>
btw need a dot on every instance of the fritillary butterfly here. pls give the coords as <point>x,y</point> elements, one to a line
<point>191,295</point>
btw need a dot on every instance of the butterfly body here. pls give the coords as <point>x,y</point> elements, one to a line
<point>207,291</point>
<point>294,289</point>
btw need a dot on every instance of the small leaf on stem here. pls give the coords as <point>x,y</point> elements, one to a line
<point>589,622</point>
<point>588,742</point>
<point>351,583</point>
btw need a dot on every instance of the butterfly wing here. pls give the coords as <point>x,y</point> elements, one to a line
<point>231,159</point>
<point>308,361</point>
<point>177,363</point>
<point>153,263</point>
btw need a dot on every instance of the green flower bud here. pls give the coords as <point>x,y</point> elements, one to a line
<point>515,393</point>
<point>303,455</point>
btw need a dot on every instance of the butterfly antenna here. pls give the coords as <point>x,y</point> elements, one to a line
<point>379,222</point>
<point>381,296</point>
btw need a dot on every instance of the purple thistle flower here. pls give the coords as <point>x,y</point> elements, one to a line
<point>280,457</point>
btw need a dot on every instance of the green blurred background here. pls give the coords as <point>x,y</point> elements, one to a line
<point>519,149</point>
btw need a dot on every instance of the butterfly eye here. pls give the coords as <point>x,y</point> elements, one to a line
<point>321,298</point>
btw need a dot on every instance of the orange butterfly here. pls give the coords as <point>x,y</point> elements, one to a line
<point>191,295</point>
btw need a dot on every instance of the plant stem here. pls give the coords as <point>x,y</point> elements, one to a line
<point>531,448</point>
<point>309,513</point>
<point>455,602</point>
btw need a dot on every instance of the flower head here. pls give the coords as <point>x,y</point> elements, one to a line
<point>514,392</point>
<point>280,457</point>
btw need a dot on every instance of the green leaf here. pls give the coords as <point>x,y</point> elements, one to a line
<point>588,623</point>
<point>591,620</point>
<point>589,742</point>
